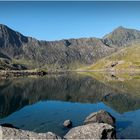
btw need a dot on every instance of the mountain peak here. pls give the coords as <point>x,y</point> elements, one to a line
<point>2,26</point>
<point>9,37</point>
<point>5,29</point>
<point>121,36</point>
<point>120,28</point>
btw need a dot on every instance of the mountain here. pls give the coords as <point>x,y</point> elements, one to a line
<point>20,52</point>
<point>121,37</point>
<point>125,59</point>
<point>67,53</point>
<point>11,41</point>
<point>63,54</point>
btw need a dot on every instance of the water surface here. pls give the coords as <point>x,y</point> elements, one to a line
<point>42,103</point>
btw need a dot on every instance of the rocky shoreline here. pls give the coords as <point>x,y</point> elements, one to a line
<point>98,125</point>
<point>26,73</point>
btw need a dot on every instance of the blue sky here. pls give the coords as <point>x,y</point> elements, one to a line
<point>61,20</point>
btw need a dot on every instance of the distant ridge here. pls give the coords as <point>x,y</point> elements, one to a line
<point>18,51</point>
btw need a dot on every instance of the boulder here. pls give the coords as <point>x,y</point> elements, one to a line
<point>67,123</point>
<point>13,133</point>
<point>92,131</point>
<point>100,117</point>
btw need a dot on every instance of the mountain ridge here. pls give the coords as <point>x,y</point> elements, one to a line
<point>31,53</point>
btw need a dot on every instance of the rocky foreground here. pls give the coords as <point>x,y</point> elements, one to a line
<point>91,130</point>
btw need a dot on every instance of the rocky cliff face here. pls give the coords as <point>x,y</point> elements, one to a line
<point>57,54</point>
<point>11,41</point>
<point>121,37</point>
<point>67,53</point>
<point>64,54</point>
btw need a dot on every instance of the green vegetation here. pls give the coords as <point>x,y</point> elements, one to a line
<point>123,82</point>
<point>28,63</point>
<point>126,59</point>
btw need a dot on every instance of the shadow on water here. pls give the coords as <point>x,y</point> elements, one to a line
<point>31,97</point>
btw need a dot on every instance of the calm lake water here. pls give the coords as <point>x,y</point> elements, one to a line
<point>42,104</point>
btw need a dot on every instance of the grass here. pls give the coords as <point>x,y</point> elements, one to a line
<point>125,59</point>
<point>28,63</point>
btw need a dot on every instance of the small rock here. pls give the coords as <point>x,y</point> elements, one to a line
<point>100,117</point>
<point>92,131</point>
<point>67,123</point>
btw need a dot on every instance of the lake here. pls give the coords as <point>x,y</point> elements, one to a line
<point>41,104</point>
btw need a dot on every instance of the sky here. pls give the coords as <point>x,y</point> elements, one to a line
<point>63,20</point>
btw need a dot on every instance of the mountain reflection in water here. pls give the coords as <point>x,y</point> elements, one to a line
<point>117,95</point>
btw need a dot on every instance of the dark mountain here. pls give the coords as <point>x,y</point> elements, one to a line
<point>27,52</point>
<point>11,41</point>
<point>9,37</point>
<point>67,53</point>
<point>121,37</point>
<point>32,53</point>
